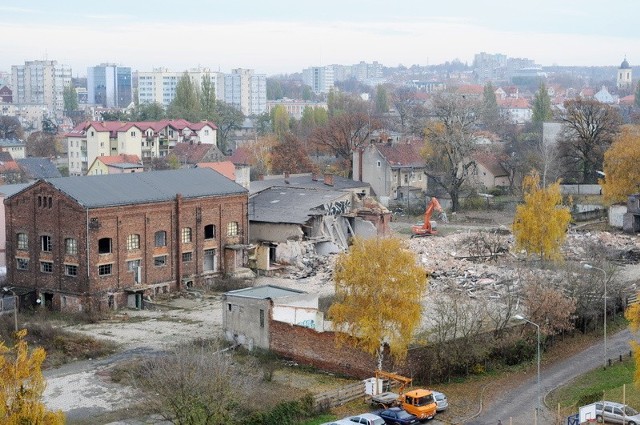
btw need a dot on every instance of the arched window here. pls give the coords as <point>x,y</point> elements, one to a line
<point>104,246</point>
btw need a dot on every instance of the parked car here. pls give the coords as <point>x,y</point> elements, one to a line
<point>616,413</point>
<point>366,419</point>
<point>338,422</point>
<point>441,401</point>
<point>397,416</point>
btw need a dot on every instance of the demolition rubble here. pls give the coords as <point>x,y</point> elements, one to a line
<point>480,263</point>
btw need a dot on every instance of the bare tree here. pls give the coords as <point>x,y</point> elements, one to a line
<point>451,144</point>
<point>589,128</point>
<point>194,385</point>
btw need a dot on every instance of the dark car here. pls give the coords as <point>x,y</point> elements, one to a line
<point>397,416</point>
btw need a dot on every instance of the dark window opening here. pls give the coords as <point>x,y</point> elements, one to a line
<point>209,231</point>
<point>104,246</point>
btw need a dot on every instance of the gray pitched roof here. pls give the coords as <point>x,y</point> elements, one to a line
<point>289,204</point>
<point>153,186</point>
<point>9,189</point>
<point>306,181</point>
<point>39,168</point>
<point>264,292</point>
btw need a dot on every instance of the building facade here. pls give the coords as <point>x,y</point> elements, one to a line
<point>294,107</point>
<point>103,242</point>
<point>149,139</point>
<point>319,78</point>
<point>246,91</point>
<point>159,85</point>
<point>624,80</point>
<point>109,85</point>
<point>40,82</point>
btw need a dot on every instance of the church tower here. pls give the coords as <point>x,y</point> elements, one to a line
<point>624,80</point>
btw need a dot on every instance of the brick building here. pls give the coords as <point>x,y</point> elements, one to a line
<point>99,242</point>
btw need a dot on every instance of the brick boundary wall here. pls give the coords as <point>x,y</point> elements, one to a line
<point>318,349</point>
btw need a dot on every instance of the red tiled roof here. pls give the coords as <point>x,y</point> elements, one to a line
<point>491,161</point>
<point>513,103</point>
<point>191,153</point>
<point>402,154</point>
<point>116,126</point>
<point>119,159</point>
<point>242,156</point>
<point>628,100</point>
<point>474,89</point>
<point>7,163</point>
<point>226,168</point>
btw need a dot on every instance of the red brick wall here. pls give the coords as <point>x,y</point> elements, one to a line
<point>67,219</point>
<point>306,346</point>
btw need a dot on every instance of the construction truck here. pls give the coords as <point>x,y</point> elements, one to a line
<point>426,228</point>
<point>419,402</point>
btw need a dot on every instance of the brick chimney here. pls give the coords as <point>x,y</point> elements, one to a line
<point>328,179</point>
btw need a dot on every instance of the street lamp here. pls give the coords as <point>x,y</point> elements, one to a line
<point>589,266</point>
<point>15,305</point>
<point>521,317</point>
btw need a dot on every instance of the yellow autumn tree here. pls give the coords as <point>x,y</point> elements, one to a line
<point>379,286</point>
<point>622,174</point>
<point>22,385</point>
<point>540,224</point>
<point>632,314</point>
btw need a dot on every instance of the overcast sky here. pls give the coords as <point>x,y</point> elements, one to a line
<point>284,36</point>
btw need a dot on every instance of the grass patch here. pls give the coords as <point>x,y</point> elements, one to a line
<point>598,384</point>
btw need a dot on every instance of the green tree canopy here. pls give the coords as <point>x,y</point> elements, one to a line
<point>382,99</point>
<point>379,287</point>
<point>541,106</point>
<point>70,98</point>
<point>185,104</point>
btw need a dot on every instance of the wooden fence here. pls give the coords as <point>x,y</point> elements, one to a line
<point>339,396</point>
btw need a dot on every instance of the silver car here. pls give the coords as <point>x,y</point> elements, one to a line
<point>441,401</point>
<point>616,413</point>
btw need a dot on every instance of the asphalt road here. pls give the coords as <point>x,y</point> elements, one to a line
<point>519,405</point>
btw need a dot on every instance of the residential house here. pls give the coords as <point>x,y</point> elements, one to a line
<point>38,168</point>
<point>603,96</point>
<point>394,170</point>
<point>294,107</point>
<point>489,172</point>
<point>149,139</point>
<point>518,109</point>
<point>107,241</point>
<point>116,164</point>
<point>10,172</point>
<point>15,147</point>
<point>6,95</point>
<point>191,154</point>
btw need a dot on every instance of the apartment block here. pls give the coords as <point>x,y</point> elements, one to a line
<point>40,82</point>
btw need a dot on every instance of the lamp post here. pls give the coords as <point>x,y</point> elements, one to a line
<point>521,317</point>
<point>589,266</point>
<point>15,305</point>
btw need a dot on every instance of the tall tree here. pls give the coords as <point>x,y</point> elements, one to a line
<point>542,111</point>
<point>185,104</point>
<point>382,99</point>
<point>290,156</point>
<point>41,144</point>
<point>385,310</point>
<point>548,306</point>
<point>226,118</point>
<point>207,98</point>
<point>22,385</point>
<point>589,127</point>
<point>632,314</point>
<point>540,224</point>
<point>451,144</point>
<point>10,128</point>
<point>622,174</point>
<point>149,112</point>
<point>343,134</point>
<point>403,100</point>
<point>70,98</point>
<point>637,96</point>
<point>490,110</point>
<point>280,121</point>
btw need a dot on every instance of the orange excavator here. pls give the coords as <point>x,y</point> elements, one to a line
<point>425,229</point>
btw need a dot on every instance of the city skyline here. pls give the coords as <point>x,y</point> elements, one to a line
<point>286,36</point>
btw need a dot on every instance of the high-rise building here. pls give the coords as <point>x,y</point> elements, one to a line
<point>159,85</point>
<point>40,82</point>
<point>319,78</point>
<point>246,91</point>
<point>109,85</point>
<point>489,67</point>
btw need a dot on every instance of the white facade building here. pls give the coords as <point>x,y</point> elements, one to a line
<point>246,91</point>
<point>159,85</point>
<point>294,107</point>
<point>319,78</point>
<point>40,82</point>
